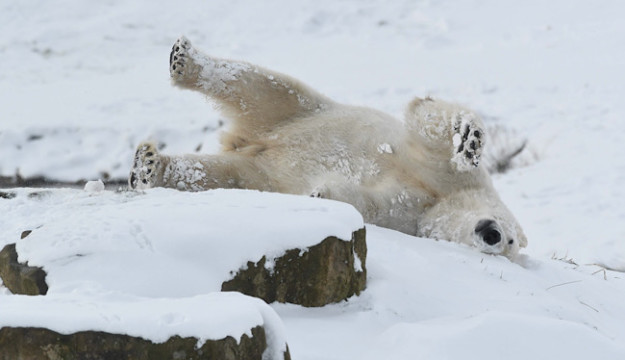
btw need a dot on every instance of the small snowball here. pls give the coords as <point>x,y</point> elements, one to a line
<point>94,186</point>
<point>385,149</point>
<point>457,139</point>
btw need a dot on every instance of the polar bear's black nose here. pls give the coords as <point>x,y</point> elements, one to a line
<point>487,229</point>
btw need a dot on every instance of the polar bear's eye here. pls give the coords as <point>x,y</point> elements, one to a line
<point>511,241</point>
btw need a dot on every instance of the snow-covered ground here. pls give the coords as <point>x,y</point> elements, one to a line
<point>81,83</point>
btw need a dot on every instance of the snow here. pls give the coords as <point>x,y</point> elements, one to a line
<point>385,149</point>
<point>482,337</point>
<point>83,83</point>
<point>457,140</point>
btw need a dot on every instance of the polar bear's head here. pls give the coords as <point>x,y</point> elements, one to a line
<point>475,217</point>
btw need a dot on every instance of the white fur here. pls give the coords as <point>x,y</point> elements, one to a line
<point>420,176</point>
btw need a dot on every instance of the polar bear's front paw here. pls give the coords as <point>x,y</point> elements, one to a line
<point>145,168</point>
<point>468,140</point>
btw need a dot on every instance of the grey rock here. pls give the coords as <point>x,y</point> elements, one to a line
<point>24,343</point>
<point>322,274</point>
<point>21,278</point>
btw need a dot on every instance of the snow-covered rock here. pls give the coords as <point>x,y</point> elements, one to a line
<point>328,272</point>
<point>21,278</point>
<point>313,251</point>
<point>170,243</point>
<point>82,326</point>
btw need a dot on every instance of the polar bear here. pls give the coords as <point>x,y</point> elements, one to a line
<point>420,176</point>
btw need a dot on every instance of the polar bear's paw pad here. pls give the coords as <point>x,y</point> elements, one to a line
<point>145,167</point>
<point>180,58</point>
<point>468,139</point>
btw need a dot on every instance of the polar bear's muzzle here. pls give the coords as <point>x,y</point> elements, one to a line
<point>488,231</point>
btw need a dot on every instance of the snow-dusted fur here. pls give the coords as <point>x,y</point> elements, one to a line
<point>421,177</point>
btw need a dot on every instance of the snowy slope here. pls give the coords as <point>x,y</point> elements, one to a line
<point>82,83</point>
<point>437,300</point>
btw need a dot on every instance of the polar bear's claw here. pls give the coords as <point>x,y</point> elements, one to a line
<point>145,168</point>
<point>467,140</point>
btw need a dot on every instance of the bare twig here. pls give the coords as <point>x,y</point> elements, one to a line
<point>605,275</point>
<point>583,303</point>
<point>566,283</point>
<point>565,259</point>
<point>605,267</point>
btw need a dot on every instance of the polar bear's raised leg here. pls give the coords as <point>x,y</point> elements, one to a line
<point>195,172</point>
<point>456,133</point>
<point>258,97</point>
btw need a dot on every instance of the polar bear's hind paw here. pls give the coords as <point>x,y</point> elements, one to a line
<point>468,140</point>
<point>145,168</point>
<point>179,57</point>
<point>319,192</point>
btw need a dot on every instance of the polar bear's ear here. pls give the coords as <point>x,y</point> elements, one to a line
<point>426,118</point>
<point>418,107</point>
<point>521,237</point>
<point>417,102</point>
